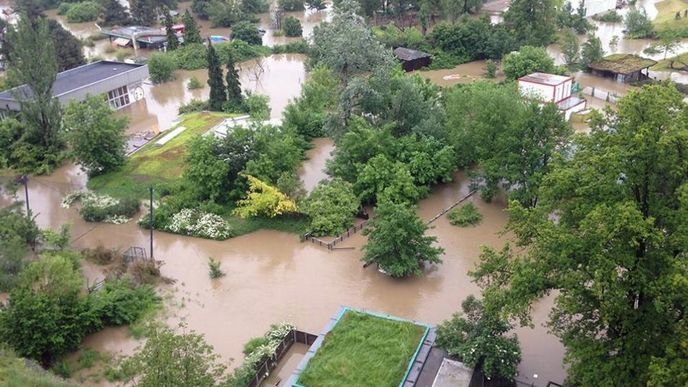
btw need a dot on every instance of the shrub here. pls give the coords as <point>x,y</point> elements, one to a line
<point>466,215</point>
<point>195,105</point>
<point>190,56</point>
<point>257,106</point>
<point>161,67</point>
<point>194,84</point>
<point>254,343</point>
<point>199,224</point>
<point>214,268</point>
<point>63,8</point>
<point>491,68</point>
<point>298,47</point>
<point>638,25</point>
<point>103,208</point>
<point>331,207</point>
<point>83,12</point>
<point>291,5</point>
<point>610,16</point>
<point>121,302</point>
<point>255,351</point>
<point>145,271</point>
<point>101,255</point>
<point>292,27</point>
<point>248,32</point>
<point>240,51</point>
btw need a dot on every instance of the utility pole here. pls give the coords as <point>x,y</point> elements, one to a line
<point>151,222</point>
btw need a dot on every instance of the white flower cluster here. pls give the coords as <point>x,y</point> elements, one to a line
<point>275,336</point>
<point>91,199</point>
<point>200,224</point>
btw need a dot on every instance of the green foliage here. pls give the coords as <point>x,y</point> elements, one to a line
<point>591,51</point>
<point>168,358</point>
<point>637,24</point>
<point>253,344</point>
<point>56,240</point>
<point>17,372</point>
<point>491,69</point>
<point>190,56</point>
<point>256,351</point>
<point>615,251</point>
<point>381,176</point>
<point>250,7</point>
<point>68,48</point>
<point>224,13</point>
<point>466,215</point>
<point>533,22</point>
<point>214,268</point>
<point>143,12</point>
<point>479,339</point>
<point>161,67</point>
<point>263,199</point>
<point>193,106</point>
<point>346,45</point>
<point>248,32</point>
<point>218,94</point>
<point>315,4</point>
<point>298,47</point>
<point>393,36</point>
<point>205,173</point>
<point>527,60</point>
<point>575,21</point>
<point>172,40</point>
<point>114,13</point>
<point>95,134</point>
<point>397,240</point>
<point>307,114</point>
<point>85,11</point>
<point>257,106</point>
<point>121,302</point>
<point>472,39</point>
<point>292,27</point>
<point>16,233</point>
<point>100,255</point>
<point>378,348</point>
<point>331,207</point>
<point>571,51</point>
<point>194,84</point>
<point>46,316</point>
<point>610,16</point>
<point>291,5</point>
<point>235,100</point>
<point>192,35</point>
<point>107,210</point>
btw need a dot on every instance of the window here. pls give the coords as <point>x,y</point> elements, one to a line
<point>118,97</point>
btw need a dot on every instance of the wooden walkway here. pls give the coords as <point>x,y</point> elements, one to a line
<point>338,239</point>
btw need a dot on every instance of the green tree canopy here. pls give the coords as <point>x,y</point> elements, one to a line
<point>608,233</point>
<point>532,21</point>
<point>191,32</point>
<point>95,134</point>
<point>397,240</point>
<point>262,199</point>
<point>527,60</point>
<point>206,173</point>
<point>331,207</point>
<point>248,32</point>
<point>218,93</point>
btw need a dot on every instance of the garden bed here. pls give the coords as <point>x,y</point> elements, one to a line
<point>363,349</point>
<point>155,164</point>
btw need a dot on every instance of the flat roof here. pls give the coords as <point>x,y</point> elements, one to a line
<point>78,77</point>
<point>545,79</point>
<point>622,63</point>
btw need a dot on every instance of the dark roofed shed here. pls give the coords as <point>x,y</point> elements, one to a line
<point>412,59</point>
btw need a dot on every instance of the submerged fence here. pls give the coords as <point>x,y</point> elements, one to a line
<point>339,239</point>
<point>451,206</point>
<point>269,364</point>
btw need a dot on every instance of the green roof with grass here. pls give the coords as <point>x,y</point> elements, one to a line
<point>622,63</point>
<point>364,350</point>
<point>154,164</point>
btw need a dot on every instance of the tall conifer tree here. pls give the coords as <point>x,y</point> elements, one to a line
<point>218,94</point>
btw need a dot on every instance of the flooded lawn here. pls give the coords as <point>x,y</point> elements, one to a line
<point>272,277</point>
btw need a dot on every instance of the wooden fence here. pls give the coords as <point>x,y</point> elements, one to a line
<point>269,364</point>
<point>463,199</point>
<point>338,239</point>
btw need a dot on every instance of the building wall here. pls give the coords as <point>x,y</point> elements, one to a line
<point>538,91</point>
<point>133,77</point>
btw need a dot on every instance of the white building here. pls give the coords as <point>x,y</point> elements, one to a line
<point>551,88</point>
<point>594,7</point>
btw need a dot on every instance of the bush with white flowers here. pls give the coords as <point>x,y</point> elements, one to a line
<point>246,372</point>
<point>102,208</point>
<point>200,224</point>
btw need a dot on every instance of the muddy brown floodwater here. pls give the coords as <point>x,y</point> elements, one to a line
<point>272,277</point>
<point>313,169</point>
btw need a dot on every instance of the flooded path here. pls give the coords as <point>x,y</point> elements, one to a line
<point>313,169</point>
<point>272,277</point>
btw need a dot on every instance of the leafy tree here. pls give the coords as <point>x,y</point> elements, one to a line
<point>248,32</point>
<point>172,41</point>
<point>669,42</point>
<point>263,199</point>
<point>68,49</point>
<point>479,338</point>
<point>278,151</point>
<point>191,32</point>
<point>225,13</point>
<point>257,106</point>
<point>251,7</point>
<point>95,134</point>
<point>46,317</point>
<point>316,4</point>
<point>527,60</point>
<point>84,11</point>
<point>205,173</point>
<point>114,13</point>
<point>17,231</point>
<point>615,251</point>
<point>292,27</point>
<point>218,94</point>
<point>637,24</point>
<point>532,21</point>
<point>235,100</point>
<point>331,207</point>
<point>169,358</point>
<point>143,12</point>
<point>397,240</point>
<point>200,8</point>
<point>291,5</point>
<point>161,67</point>
<point>571,50</point>
<point>32,61</point>
<point>591,51</point>
<point>307,114</point>
<point>381,176</point>
<point>576,21</point>
<point>346,46</point>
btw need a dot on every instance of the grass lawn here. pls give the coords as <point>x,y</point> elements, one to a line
<point>153,164</point>
<point>680,62</point>
<point>363,350</point>
<point>666,16</point>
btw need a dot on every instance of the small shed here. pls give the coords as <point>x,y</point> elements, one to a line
<point>412,59</point>
<point>622,67</point>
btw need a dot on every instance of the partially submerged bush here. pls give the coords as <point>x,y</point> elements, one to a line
<point>194,84</point>
<point>102,208</point>
<point>101,255</point>
<point>199,224</point>
<point>195,105</point>
<point>466,215</point>
<point>214,268</point>
<point>145,271</point>
<point>121,301</point>
<point>257,350</point>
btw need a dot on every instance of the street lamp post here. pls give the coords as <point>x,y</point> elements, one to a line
<point>24,179</point>
<point>151,222</point>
